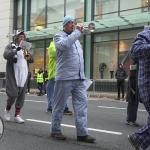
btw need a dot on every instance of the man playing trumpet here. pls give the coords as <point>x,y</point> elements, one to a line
<point>16,76</point>
<point>70,78</point>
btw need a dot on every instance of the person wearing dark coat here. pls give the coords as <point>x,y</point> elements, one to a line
<point>40,80</point>
<point>29,80</point>
<point>120,75</point>
<point>45,76</point>
<point>140,51</point>
<point>132,97</point>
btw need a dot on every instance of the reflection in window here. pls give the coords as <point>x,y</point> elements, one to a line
<point>124,56</point>
<point>128,4</point>
<point>129,34</point>
<point>104,7</point>
<point>75,8</point>
<point>105,37</point>
<point>38,52</point>
<point>55,8</point>
<point>144,5</point>
<point>37,20</point>
<point>19,18</point>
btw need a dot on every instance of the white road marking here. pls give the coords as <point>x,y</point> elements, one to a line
<point>97,106</point>
<point>71,126</point>
<point>35,101</point>
<point>141,110</point>
<point>118,108</point>
<point>111,107</point>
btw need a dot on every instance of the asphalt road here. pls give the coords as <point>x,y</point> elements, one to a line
<point>106,122</point>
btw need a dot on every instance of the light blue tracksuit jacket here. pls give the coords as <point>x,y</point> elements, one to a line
<point>69,78</point>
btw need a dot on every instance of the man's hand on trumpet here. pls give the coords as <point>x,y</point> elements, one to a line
<point>80,27</point>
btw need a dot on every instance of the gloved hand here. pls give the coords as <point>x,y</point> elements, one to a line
<point>15,58</point>
<point>18,48</point>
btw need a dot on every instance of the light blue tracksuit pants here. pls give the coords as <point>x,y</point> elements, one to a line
<point>50,94</point>
<point>62,90</point>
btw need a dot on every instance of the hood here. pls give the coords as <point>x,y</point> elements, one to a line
<point>17,33</point>
<point>40,71</point>
<point>121,64</point>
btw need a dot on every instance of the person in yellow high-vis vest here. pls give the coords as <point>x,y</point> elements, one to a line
<point>51,80</point>
<point>40,81</point>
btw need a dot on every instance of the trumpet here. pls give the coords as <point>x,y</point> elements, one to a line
<point>25,53</point>
<point>88,29</point>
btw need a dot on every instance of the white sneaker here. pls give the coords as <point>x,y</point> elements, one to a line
<point>28,93</point>
<point>18,119</point>
<point>7,115</point>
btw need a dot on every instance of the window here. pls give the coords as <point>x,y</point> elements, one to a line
<point>134,8</point>
<point>124,56</point>
<point>104,53</point>
<point>55,8</point>
<point>38,52</point>
<point>145,5</point>
<point>106,9</point>
<point>75,8</point>
<point>19,17</point>
<point>126,40</point>
<point>37,20</point>
<point>128,4</point>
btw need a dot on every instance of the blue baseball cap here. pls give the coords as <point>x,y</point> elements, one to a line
<point>66,19</point>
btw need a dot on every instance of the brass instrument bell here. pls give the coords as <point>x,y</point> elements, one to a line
<point>25,53</point>
<point>88,29</point>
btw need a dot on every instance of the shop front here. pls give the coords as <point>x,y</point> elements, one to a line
<point>116,24</point>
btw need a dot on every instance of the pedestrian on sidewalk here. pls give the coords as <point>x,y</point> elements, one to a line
<point>40,81</point>
<point>132,96</point>
<point>70,78</point>
<point>120,75</point>
<point>51,80</point>
<point>45,76</point>
<point>29,80</point>
<point>140,51</point>
<point>16,76</point>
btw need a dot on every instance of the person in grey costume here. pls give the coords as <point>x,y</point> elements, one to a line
<point>70,78</point>
<point>16,76</point>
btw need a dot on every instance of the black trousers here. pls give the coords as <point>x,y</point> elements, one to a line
<point>45,84</point>
<point>120,84</point>
<point>28,86</point>
<point>40,87</point>
<point>132,108</point>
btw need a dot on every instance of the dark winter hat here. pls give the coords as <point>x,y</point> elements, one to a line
<point>121,64</point>
<point>66,19</point>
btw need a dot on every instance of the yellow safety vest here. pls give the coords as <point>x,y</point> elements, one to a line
<point>40,78</point>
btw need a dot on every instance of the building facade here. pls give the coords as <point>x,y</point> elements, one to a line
<point>117,22</point>
<point>6,26</point>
